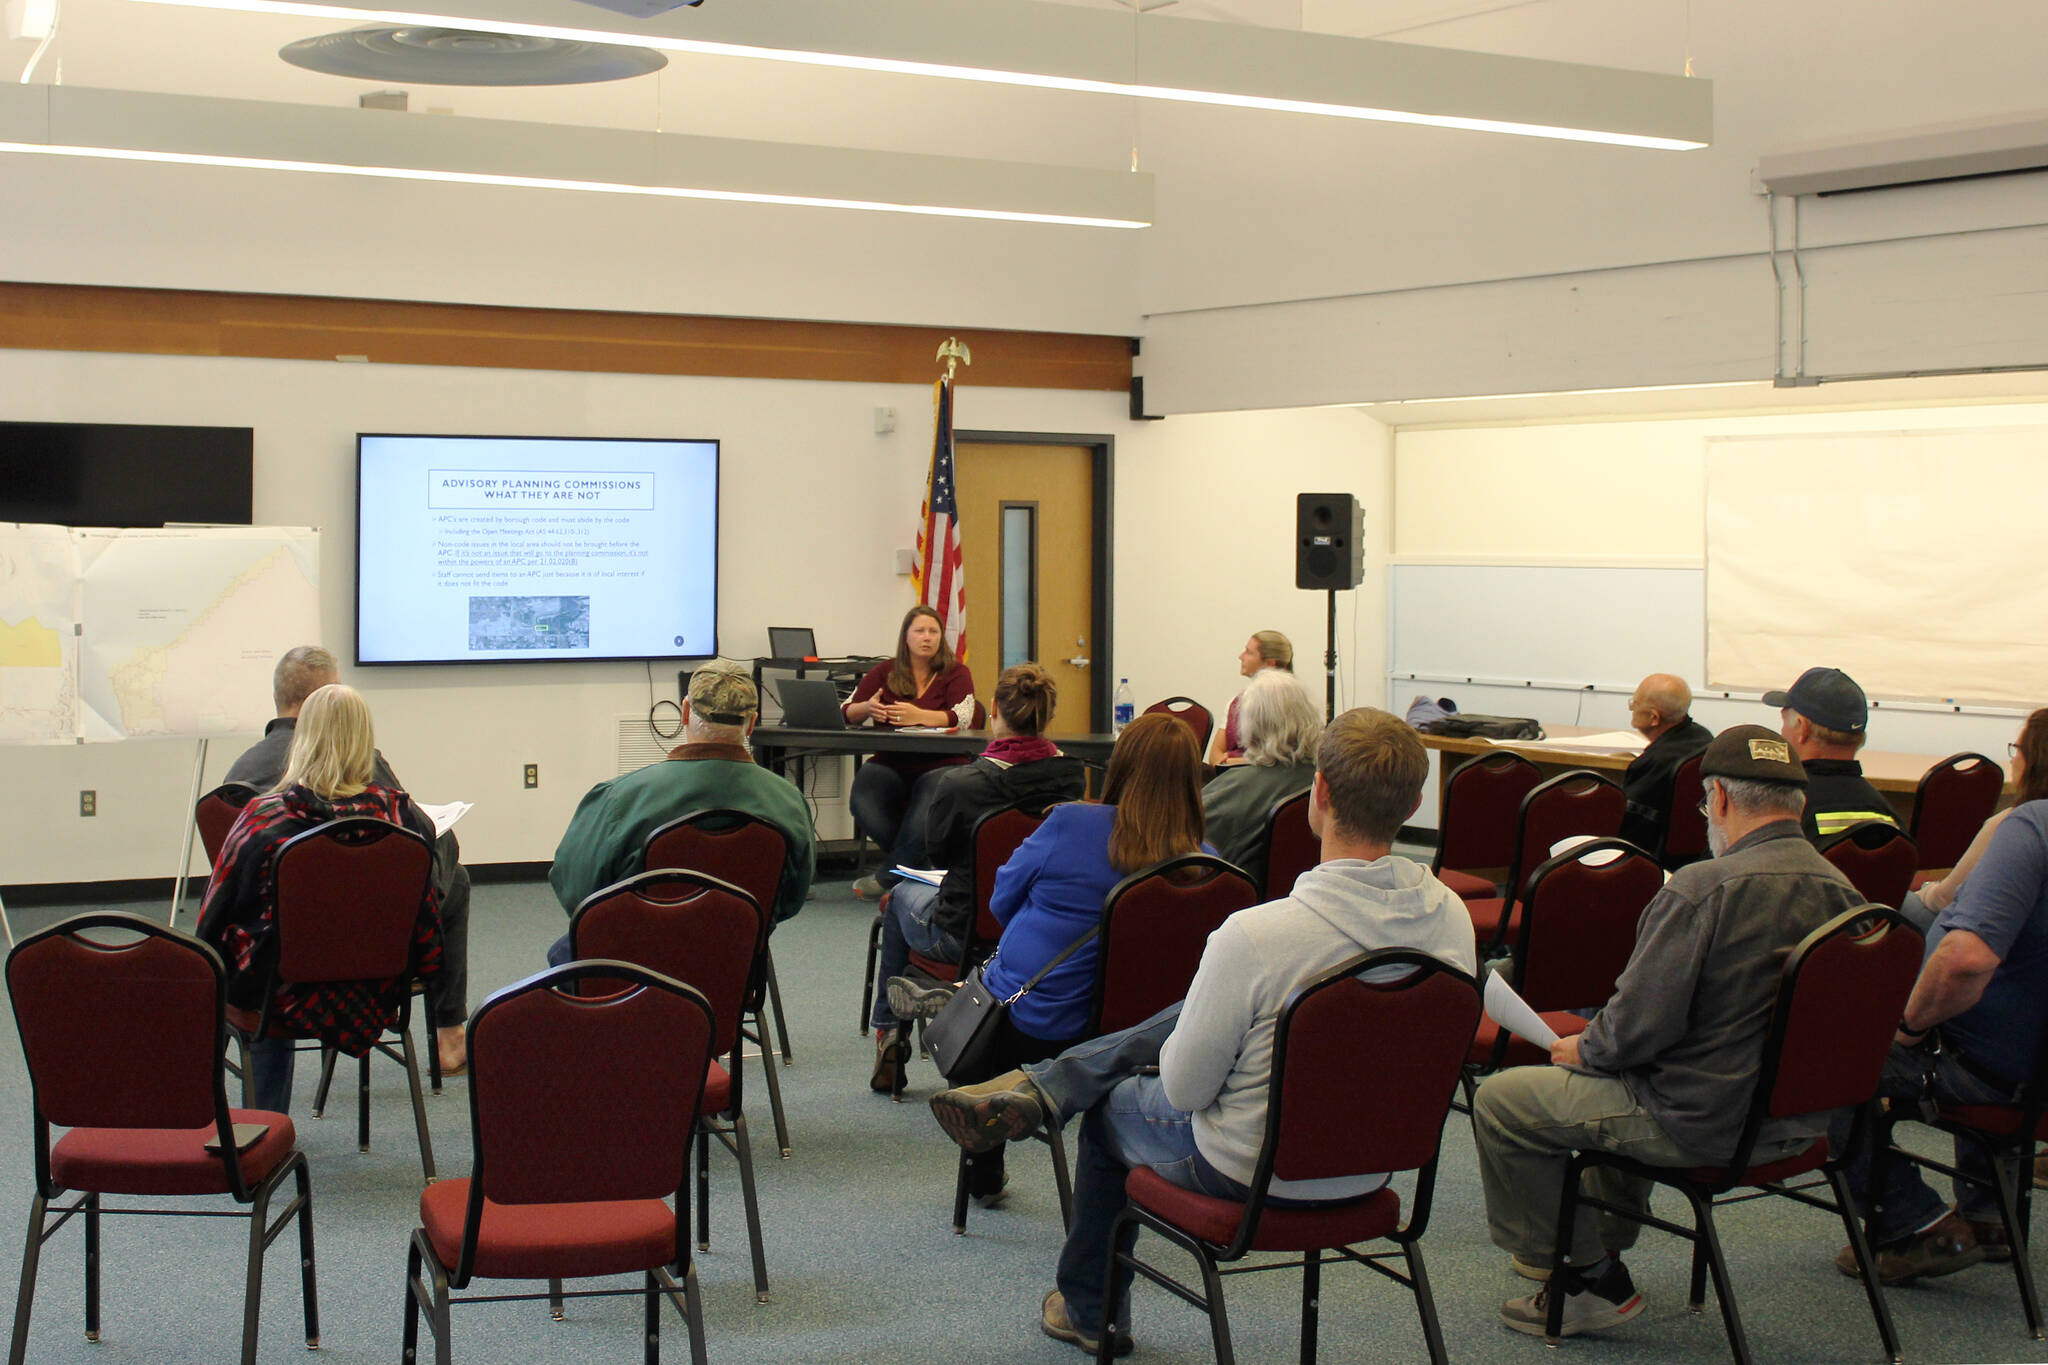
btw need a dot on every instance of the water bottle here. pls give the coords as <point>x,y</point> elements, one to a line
<point>1124,709</point>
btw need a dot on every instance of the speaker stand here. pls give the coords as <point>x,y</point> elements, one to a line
<point>1330,661</point>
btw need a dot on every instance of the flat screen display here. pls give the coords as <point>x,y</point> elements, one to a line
<point>503,549</point>
<point>114,474</point>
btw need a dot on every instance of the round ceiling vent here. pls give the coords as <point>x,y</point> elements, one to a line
<point>420,55</point>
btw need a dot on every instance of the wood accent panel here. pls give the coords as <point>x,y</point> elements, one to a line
<point>61,317</point>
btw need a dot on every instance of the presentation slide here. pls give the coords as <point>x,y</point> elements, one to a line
<point>477,549</point>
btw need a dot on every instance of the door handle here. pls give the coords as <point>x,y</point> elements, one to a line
<point>1079,661</point>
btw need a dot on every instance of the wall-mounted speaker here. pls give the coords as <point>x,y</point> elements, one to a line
<point>1329,541</point>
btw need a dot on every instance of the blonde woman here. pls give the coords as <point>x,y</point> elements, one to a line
<point>329,776</point>
<point>1266,649</point>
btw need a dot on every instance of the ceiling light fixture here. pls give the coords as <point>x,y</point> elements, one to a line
<point>121,125</point>
<point>1066,47</point>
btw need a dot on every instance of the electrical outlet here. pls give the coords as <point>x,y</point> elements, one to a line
<point>88,803</point>
<point>533,775</point>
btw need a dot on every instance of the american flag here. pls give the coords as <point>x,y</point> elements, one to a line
<point>941,578</point>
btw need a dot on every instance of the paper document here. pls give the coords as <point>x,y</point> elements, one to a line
<point>1606,742</point>
<point>930,876</point>
<point>1572,841</point>
<point>444,817</point>
<point>1512,1013</point>
<point>926,729</point>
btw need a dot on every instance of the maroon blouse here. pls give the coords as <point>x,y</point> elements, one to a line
<point>951,691</point>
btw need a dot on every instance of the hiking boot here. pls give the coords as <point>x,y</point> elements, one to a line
<point>983,1117</point>
<point>1590,1305</point>
<point>1990,1235</point>
<point>1943,1249</point>
<point>892,1057</point>
<point>913,999</point>
<point>1053,1321</point>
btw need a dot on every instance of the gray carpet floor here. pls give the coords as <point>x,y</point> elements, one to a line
<point>862,1258</point>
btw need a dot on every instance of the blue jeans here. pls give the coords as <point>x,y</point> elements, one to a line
<point>1128,1122</point>
<point>907,927</point>
<point>1901,1202</point>
<point>270,1074</point>
<point>892,810</point>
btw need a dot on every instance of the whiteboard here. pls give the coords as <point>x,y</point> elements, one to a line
<point>1552,625</point>
<point>148,634</point>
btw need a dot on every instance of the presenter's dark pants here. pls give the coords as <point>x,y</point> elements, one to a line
<point>891,809</point>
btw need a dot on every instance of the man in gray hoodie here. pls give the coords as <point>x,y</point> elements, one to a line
<point>1199,1120</point>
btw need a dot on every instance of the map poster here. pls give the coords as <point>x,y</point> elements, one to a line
<point>162,633</point>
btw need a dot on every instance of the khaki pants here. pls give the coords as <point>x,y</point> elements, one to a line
<point>1528,1121</point>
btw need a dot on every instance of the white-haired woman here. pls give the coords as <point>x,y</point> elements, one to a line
<point>329,776</point>
<point>1280,728</point>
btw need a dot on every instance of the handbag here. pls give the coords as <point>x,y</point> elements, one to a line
<point>962,1039</point>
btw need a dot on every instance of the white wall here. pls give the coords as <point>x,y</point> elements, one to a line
<point>813,507</point>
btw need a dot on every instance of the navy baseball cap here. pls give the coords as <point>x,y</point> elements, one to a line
<point>1825,696</point>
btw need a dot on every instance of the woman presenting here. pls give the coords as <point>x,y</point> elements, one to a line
<point>924,685</point>
<point>1266,649</point>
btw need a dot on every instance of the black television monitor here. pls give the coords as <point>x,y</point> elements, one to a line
<point>530,549</point>
<point>109,474</point>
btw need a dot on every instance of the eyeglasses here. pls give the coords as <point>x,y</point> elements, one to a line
<point>2012,750</point>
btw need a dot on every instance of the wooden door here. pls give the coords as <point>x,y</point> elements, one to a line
<point>1027,536</point>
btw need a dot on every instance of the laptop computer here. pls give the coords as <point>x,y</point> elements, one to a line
<point>792,642</point>
<point>810,704</point>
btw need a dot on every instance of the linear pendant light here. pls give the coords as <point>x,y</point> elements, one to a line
<point>1067,47</point>
<point>125,125</point>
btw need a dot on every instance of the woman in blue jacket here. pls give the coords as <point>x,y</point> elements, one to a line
<point>1051,892</point>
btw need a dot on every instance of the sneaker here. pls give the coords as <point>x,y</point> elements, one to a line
<point>1053,1321</point>
<point>1943,1249</point>
<point>983,1117</point>
<point>868,888</point>
<point>996,1198</point>
<point>892,1057</point>
<point>1990,1235</point>
<point>1589,1306</point>
<point>913,999</point>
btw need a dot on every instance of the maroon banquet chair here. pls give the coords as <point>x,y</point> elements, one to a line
<point>707,934</point>
<point>1292,848</point>
<point>1476,825</point>
<point>1580,802</point>
<point>1333,1109</point>
<point>1193,712</point>
<point>1877,858</point>
<point>216,814</point>
<point>1685,825</point>
<point>582,1110</point>
<point>1575,936</point>
<point>123,1040</point>
<point>348,900</point>
<point>747,851</point>
<point>1951,803</point>
<point>1840,994</point>
<point>1155,924</point>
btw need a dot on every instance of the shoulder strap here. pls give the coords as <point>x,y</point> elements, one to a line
<point>1065,953</point>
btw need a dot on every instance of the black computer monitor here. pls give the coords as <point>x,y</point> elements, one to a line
<point>792,642</point>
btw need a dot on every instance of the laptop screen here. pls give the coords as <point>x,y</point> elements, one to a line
<point>791,642</point>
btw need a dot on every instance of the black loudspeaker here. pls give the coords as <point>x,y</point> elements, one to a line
<point>1329,541</point>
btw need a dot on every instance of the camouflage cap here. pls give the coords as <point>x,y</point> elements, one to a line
<point>722,694</point>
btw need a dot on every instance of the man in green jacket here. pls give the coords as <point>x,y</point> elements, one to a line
<point>712,769</point>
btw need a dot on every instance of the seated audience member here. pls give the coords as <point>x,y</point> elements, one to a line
<point>1280,727</point>
<point>1020,767</point>
<point>1051,890</point>
<point>1666,1069</point>
<point>1199,1118</point>
<point>924,685</point>
<point>711,769</point>
<point>301,672</point>
<point>1824,715</point>
<point>1266,649</point>
<point>2029,768</point>
<point>1982,992</point>
<point>1660,711</point>
<point>330,774</point>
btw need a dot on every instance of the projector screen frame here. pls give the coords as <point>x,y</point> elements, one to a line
<point>544,656</point>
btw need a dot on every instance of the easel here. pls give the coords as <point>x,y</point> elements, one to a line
<point>180,880</point>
